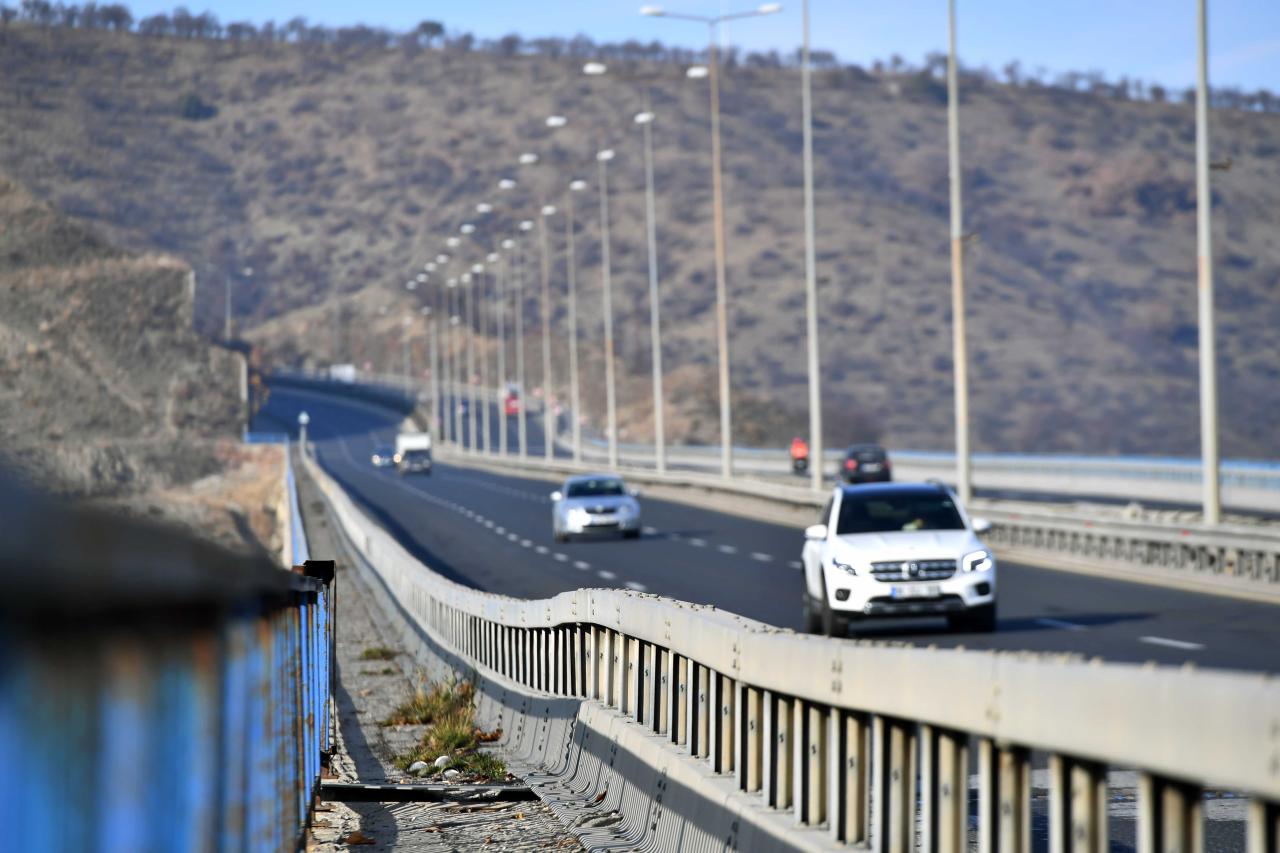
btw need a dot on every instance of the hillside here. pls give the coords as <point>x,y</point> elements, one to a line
<point>106,391</point>
<point>334,172</point>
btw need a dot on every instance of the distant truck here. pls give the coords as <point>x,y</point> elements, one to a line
<point>342,372</point>
<point>413,453</point>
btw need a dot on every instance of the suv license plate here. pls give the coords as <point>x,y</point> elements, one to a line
<point>921,590</point>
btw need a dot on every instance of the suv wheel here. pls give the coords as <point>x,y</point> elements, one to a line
<point>979,620</point>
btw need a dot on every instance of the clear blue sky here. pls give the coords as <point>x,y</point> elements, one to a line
<point>1149,39</point>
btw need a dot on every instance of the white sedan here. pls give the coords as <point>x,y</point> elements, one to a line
<point>594,503</point>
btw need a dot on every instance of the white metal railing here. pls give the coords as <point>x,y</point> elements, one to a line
<point>871,741</point>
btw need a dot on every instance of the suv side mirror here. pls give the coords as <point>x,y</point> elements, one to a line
<point>635,493</point>
<point>981,525</point>
<point>555,496</point>
<point>816,533</point>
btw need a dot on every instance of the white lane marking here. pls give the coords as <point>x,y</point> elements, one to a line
<point>1173,644</point>
<point>1058,623</point>
<point>512,536</point>
<point>796,564</point>
<point>500,530</point>
<point>488,523</point>
<point>606,575</point>
<point>638,587</point>
<point>526,543</point>
<point>542,549</point>
<point>649,531</point>
<point>561,557</point>
<point>697,543</point>
<point>727,549</point>
<point>761,556</point>
<point>582,564</point>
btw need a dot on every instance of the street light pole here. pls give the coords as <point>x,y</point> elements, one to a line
<point>482,379</point>
<point>611,401</point>
<point>404,342</point>
<point>571,253</point>
<point>503,276</point>
<point>959,355</point>
<point>1209,462</point>
<point>717,193</point>
<point>548,410</point>
<point>810,271</point>
<point>645,120</point>
<point>469,294</point>
<point>433,365</point>
<point>523,419</point>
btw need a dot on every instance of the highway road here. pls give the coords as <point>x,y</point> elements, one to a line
<point>493,532</point>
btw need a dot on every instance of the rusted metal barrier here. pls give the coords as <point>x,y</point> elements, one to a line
<point>864,744</point>
<point>156,692</point>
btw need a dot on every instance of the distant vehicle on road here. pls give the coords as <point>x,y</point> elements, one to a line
<point>865,463</point>
<point>413,453</point>
<point>342,372</point>
<point>384,456</point>
<point>799,455</point>
<point>594,503</point>
<point>511,404</point>
<point>897,550</point>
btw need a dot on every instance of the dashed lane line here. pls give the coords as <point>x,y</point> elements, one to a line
<point>560,558</point>
<point>605,574</point>
<point>543,549</point>
<point>761,557</point>
<point>637,586</point>
<point>698,543</point>
<point>1172,644</point>
<point>582,565</point>
<point>727,549</point>
<point>796,564</point>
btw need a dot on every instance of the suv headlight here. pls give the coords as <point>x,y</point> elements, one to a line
<point>978,561</point>
<point>844,567</point>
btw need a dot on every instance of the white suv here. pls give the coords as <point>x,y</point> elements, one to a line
<point>897,549</point>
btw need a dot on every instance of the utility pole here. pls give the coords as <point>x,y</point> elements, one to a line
<point>611,401</point>
<point>645,120</point>
<point>959,351</point>
<point>571,253</point>
<point>522,419</point>
<point>1209,462</point>
<point>548,409</point>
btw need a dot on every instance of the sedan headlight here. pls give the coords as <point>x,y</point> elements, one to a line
<point>577,515</point>
<point>978,561</point>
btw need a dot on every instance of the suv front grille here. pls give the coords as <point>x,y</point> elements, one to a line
<point>913,570</point>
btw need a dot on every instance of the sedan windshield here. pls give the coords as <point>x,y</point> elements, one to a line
<point>601,488</point>
<point>886,512</point>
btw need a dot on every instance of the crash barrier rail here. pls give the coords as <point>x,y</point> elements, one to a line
<point>156,692</point>
<point>871,743</point>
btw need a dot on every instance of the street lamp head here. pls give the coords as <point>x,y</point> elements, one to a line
<point>506,184</point>
<point>453,282</point>
<point>548,210</point>
<point>594,69</point>
<point>477,268</point>
<point>453,242</point>
<point>421,277</point>
<point>429,266</point>
<point>484,207</point>
<point>652,11</point>
<point>410,285</point>
<point>465,278</point>
<point>605,155</point>
<point>556,121</point>
<point>528,158</point>
<point>769,9</point>
<point>425,311</point>
<point>526,225</point>
<point>508,243</point>
<point>492,257</point>
<point>442,258</point>
<point>644,118</point>
<point>247,271</point>
<point>696,72</point>
<point>577,186</point>
<point>467,228</point>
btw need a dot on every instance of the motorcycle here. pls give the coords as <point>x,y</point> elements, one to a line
<point>800,464</point>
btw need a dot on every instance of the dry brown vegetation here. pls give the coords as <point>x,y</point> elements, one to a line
<point>334,173</point>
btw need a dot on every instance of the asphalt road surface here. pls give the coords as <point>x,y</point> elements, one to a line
<point>493,532</point>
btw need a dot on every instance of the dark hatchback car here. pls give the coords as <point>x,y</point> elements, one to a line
<point>866,463</point>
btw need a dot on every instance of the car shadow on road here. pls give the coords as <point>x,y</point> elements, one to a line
<point>905,629</point>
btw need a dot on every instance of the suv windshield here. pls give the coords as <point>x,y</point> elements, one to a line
<point>888,511</point>
<point>595,489</point>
